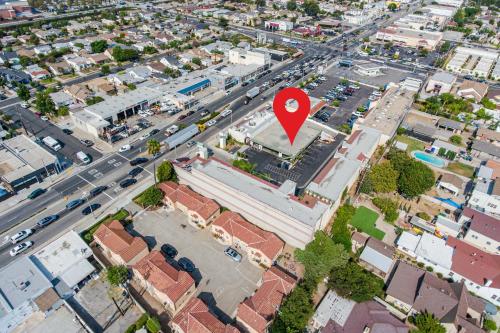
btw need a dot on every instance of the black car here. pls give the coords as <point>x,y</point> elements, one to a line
<point>153,132</point>
<point>189,113</point>
<point>91,208</point>
<point>74,203</point>
<point>186,264</point>
<point>139,160</point>
<point>67,131</point>
<point>135,171</point>
<point>127,182</point>
<point>47,220</point>
<point>86,143</point>
<point>97,190</point>
<point>168,250</point>
<point>36,193</point>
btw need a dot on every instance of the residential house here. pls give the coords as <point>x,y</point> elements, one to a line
<point>118,245</point>
<point>487,135</point>
<point>450,125</point>
<point>171,62</point>
<point>485,150</point>
<point>440,83</point>
<point>489,171</point>
<point>79,92</point>
<point>377,257</point>
<point>336,314</point>
<point>36,72</point>
<point>472,90</point>
<point>77,62</point>
<point>446,227</point>
<point>262,247</point>
<point>358,240</point>
<point>60,68</point>
<point>486,196</point>
<point>256,313</point>
<point>201,210</point>
<point>171,287</point>
<point>42,49</point>
<point>415,290</point>
<point>483,230</point>
<point>60,98</point>
<point>97,58</point>
<point>8,58</point>
<point>451,183</point>
<point>14,76</point>
<point>195,317</point>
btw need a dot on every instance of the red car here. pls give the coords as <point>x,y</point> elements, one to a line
<point>182,117</point>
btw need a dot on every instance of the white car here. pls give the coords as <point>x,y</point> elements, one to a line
<point>125,148</point>
<point>142,114</point>
<point>376,93</point>
<point>226,113</point>
<point>20,248</point>
<point>44,118</point>
<point>211,122</point>
<point>25,105</point>
<point>144,136</point>
<point>21,235</point>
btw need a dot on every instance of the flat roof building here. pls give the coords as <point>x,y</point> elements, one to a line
<point>410,37</point>
<point>23,162</point>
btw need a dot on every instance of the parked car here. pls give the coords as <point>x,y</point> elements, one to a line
<point>21,235</point>
<point>74,203</point>
<point>135,171</point>
<point>190,113</point>
<point>211,122</point>
<point>125,148</point>
<point>154,131</point>
<point>181,117</point>
<point>97,190</point>
<point>47,220</point>
<point>190,144</point>
<point>168,250</point>
<point>127,182</point>
<point>233,254</point>
<point>25,105</point>
<point>186,264</point>
<point>91,208</point>
<point>36,193</point>
<point>204,113</point>
<point>20,248</point>
<point>138,160</point>
<point>67,131</point>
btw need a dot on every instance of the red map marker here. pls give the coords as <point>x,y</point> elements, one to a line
<point>291,120</point>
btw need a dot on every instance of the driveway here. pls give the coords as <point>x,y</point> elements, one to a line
<point>221,282</point>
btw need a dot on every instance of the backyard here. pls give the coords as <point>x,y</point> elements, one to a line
<point>365,219</point>
<point>461,169</point>
<point>413,144</point>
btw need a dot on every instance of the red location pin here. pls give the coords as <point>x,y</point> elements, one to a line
<point>291,120</point>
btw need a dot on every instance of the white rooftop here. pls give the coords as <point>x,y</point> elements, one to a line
<point>333,307</point>
<point>435,250</point>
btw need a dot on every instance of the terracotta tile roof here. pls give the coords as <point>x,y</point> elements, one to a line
<point>165,278</point>
<point>495,166</point>
<point>258,310</point>
<point>193,201</point>
<point>114,236</point>
<point>483,224</point>
<point>474,264</point>
<point>195,318</point>
<point>47,299</point>
<point>353,137</point>
<point>264,241</point>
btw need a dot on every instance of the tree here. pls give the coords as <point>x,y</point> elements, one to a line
<point>34,39</point>
<point>196,61</point>
<point>99,46</point>
<point>353,282</point>
<point>392,6</point>
<point>153,146</point>
<point>105,70</point>
<point>151,197</point>
<point>445,47</point>
<point>165,172</point>
<point>426,323</point>
<point>44,103</point>
<point>295,312</point>
<point>388,207</point>
<point>94,100</point>
<point>23,92</point>
<point>291,5</point>
<point>456,139</point>
<point>311,7</point>
<point>340,232</point>
<point>490,325</point>
<point>117,275</point>
<point>260,3</point>
<point>415,178</point>
<point>120,54</point>
<point>223,22</point>
<point>482,114</point>
<point>320,256</point>
<point>24,61</point>
<point>173,73</point>
<point>383,178</point>
<point>149,50</point>
<point>487,103</point>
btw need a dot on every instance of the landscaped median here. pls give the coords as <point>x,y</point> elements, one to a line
<point>88,234</point>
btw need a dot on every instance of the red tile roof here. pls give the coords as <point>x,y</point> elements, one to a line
<point>195,318</point>
<point>114,236</point>
<point>474,264</point>
<point>264,241</point>
<point>258,310</point>
<point>165,278</point>
<point>353,137</point>
<point>483,224</point>
<point>196,202</point>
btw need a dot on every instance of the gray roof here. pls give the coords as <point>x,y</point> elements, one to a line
<point>378,254</point>
<point>486,147</point>
<point>424,130</point>
<point>449,123</point>
<point>448,223</point>
<point>444,77</point>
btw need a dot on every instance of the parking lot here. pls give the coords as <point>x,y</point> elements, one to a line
<point>340,115</point>
<point>221,282</point>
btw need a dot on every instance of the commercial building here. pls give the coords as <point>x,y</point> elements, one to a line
<point>440,83</point>
<point>247,57</point>
<point>368,68</point>
<point>472,61</point>
<point>410,37</point>
<point>279,25</point>
<point>23,163</point>
<point>268,206</point>
<point>171,287</point>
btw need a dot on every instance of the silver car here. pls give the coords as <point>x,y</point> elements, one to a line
<point>20,248</point>
<point>233,254</point>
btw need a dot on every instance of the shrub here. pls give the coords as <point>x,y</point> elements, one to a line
<point>340,231</point>
<point>388,207</point>
<point>153,325</point>
<point>490,325</point>
<point>150,197</point>
<point>117,275</point>
<point>439,275</point>
<point>424,216</point>
<point>429,269</point>
<point>131,329</point>
<point>141,321</point>
<point>420,264</point>
<point>456,139</point>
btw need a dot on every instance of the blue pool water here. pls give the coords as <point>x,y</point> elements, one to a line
<point>450,202</point>
<point>429,159</point>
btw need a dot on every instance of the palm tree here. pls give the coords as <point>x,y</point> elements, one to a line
<point>153,147</point>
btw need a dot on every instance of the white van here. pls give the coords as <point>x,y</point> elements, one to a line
<point>84,158</point>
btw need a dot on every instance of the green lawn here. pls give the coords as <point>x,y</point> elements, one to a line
<point>461,169</point>
<point>364,219</point>
<point>413,144</point>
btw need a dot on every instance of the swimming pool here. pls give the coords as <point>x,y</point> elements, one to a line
<point>429,159</point>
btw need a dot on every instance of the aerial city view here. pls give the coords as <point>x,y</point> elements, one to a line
<point>254,166</point>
